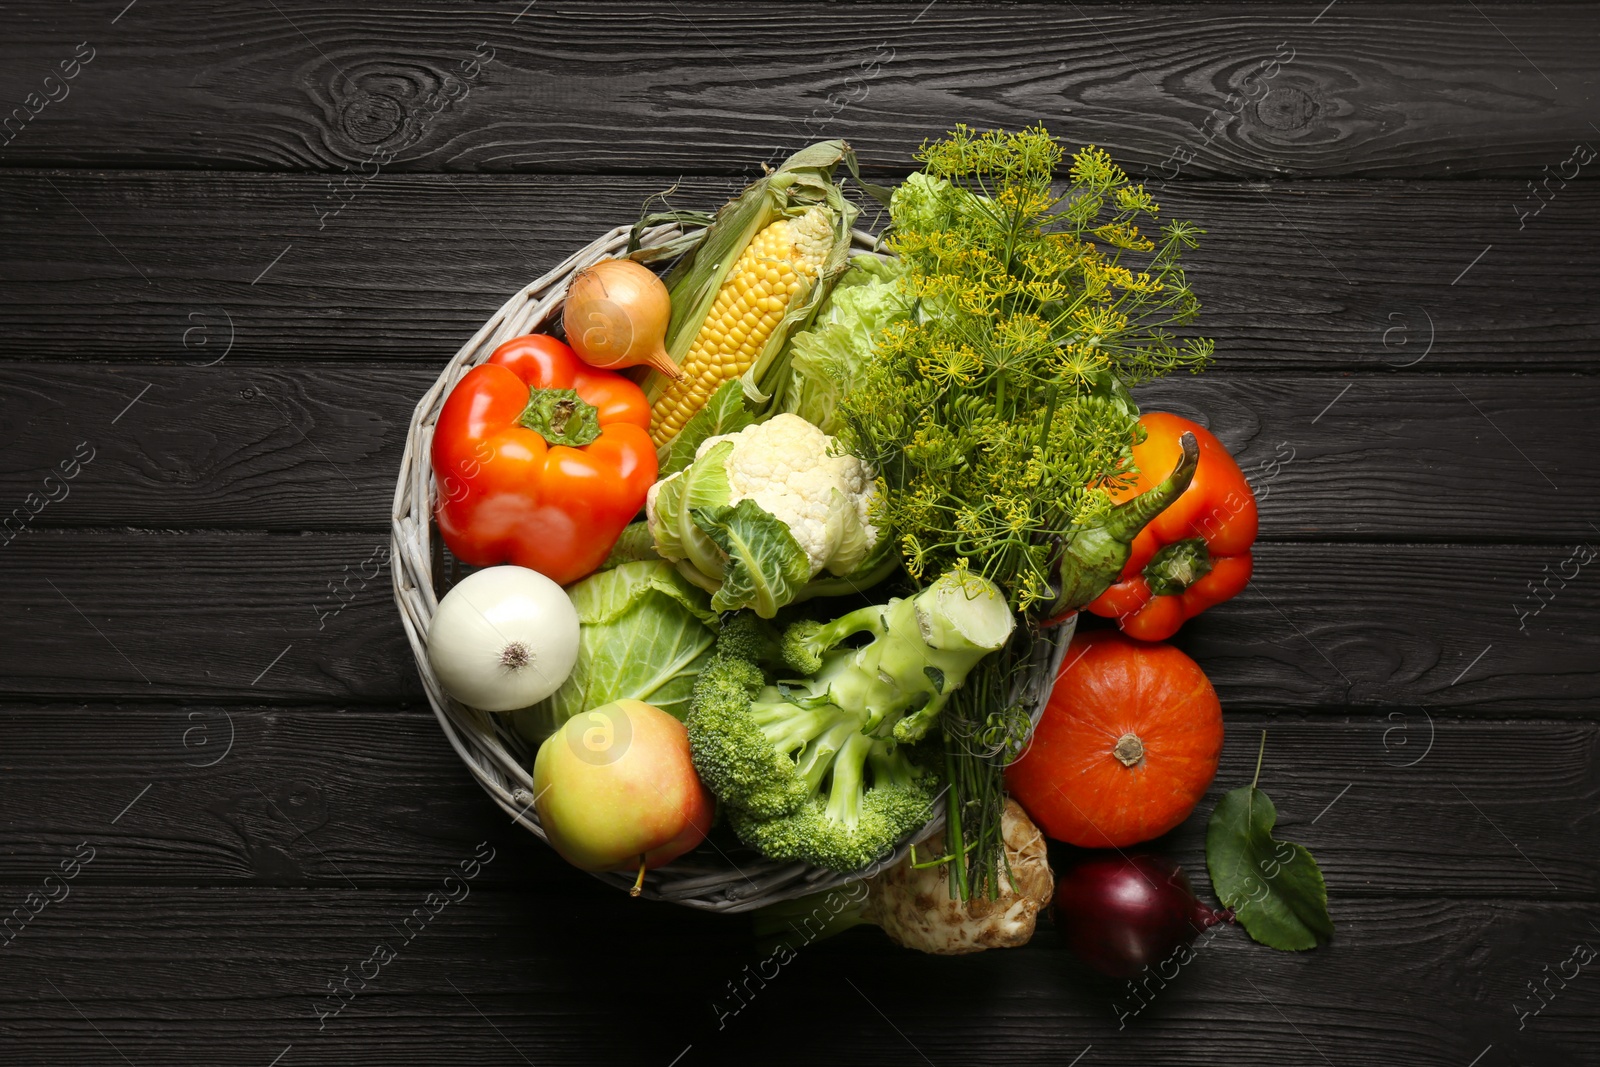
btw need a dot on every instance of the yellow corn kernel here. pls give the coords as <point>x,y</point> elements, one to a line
<point>781,260</point>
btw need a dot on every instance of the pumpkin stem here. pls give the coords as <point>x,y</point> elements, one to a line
<point>1129,749</point>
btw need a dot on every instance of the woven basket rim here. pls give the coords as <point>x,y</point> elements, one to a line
<point>494,754</point>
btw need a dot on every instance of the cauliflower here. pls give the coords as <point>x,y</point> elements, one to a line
<point>784,466</point>
<point>761,513</point>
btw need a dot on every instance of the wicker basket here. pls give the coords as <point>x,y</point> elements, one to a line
<point>709,877</point>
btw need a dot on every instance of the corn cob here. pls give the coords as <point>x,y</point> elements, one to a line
<point>777,267</point>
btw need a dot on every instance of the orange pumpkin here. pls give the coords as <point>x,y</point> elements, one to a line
<point>1126,747</point>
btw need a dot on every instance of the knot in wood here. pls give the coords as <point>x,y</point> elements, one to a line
<point>371,117</point>
<point>1286,108</point>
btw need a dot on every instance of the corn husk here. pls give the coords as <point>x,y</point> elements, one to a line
<point>804,179</point>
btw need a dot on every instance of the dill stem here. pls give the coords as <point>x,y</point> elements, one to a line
<point>953,832</point>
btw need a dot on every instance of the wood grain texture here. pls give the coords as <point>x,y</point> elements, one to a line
<point>1326,276</point>
<point>207,975</point>
<point>1399,456</point>
<point>202,676</point>
<point>1368,89</point>
<point>248,616</point>
<point>347,797</point>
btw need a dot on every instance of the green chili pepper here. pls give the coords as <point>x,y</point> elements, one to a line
<point>1093,555</point>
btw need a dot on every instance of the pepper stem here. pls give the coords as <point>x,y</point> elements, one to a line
<point>561,417</point>
<point>1177,566</point>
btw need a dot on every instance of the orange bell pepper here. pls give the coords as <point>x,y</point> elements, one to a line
<point>1196,552</point>
<point>541,460</point>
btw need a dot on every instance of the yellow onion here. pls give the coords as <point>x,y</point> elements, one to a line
<point>616,316</point>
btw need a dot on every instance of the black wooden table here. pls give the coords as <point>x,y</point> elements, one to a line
<point>240,238</point>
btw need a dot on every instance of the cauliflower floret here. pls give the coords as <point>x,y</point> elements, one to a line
<point>783,465</point>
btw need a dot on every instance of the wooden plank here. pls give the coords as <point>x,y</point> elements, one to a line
<point>343,798</point>
<point>234,445</point>
<point>185,268</point>
<point>1362,276</point>
<point>1401,456</point>
<point>209,616</point>
<point>239,975</point>
<point>1441,626</point>
<point>1243,89</point>
<point>245,615</point>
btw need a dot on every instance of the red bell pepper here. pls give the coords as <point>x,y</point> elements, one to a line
<point>1196,552</point>
<point>541,460</point>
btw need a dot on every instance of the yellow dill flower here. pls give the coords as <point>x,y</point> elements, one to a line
<point>1093,167</point>
<point>1124,235</point>
<point>1046,291</point>
<point>1025,199</point>
<point>1133,198</point>
<point>914,556</point>
<point>1098,321</point>
<point>985,416</point>
<point>1016,513</point>
<point>1034,589</point>
<point>951,366</point>
<point>1143,283</point>
<point>978,299</point>
<point>1080,364</point>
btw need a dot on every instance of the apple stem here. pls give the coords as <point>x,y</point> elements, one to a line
<point>638,884</point>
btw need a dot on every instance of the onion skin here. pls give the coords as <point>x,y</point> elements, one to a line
<point>503,638</point>
<point>616,315</point>
<point>1120,914</point>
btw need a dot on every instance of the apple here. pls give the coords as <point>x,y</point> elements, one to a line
<point>615,789</point>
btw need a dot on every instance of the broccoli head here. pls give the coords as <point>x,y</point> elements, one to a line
<point>732,754</point>
<point>847,824</point>
<point>817,769</point>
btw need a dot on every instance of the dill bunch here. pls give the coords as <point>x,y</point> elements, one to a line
<point>998,415</point>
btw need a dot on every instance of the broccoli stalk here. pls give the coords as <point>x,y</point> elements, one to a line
<point>817,769</point>
<point>922,651</point>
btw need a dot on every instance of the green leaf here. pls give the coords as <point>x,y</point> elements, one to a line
<point>725,412</point>
<point>828,356</point>
<point>1274,887</point>
<point>600,600</point>
<point>634,544</point>
<point>765,565</point>
<point>704,484</point>
<point>644,632</point>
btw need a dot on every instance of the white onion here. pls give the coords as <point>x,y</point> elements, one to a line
<point>504,638</point>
